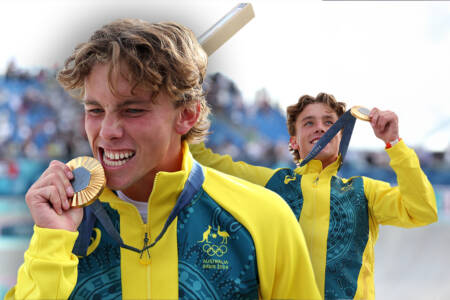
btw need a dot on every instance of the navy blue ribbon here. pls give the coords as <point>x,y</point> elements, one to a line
<point>191,187</point>
<point>96,210</point>
<point>345,122</point>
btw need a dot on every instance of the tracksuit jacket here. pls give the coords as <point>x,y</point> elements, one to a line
<point>235,240</point>
<point>340,217</point>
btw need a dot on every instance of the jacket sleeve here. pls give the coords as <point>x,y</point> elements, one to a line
<point>225,164</point>
<point>286,270</point>
<point>410,204</point>
<point>49,270</point>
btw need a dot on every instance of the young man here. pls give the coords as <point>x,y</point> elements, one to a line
<point>340,217</point>
<point>141,89</point>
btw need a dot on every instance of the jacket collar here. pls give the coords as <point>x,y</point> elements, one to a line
<point>315,166</point>
<point>167,185</point>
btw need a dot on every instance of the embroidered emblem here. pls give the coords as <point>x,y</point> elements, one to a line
<point>95,241</point>
<point>224,235</point>
<point>206,234</point>
<point>289,178</point>
<point>215,245</point>
<point>215,250</point>
<point>347,187</point>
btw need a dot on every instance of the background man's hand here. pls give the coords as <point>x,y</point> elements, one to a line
<point>48,199</point>
<point>384,124</point>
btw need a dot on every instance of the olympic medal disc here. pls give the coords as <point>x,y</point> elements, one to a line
<point>88,182</point>
<point>360,112</point>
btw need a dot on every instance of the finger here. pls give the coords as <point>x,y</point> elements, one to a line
<point>389,119</point>
<point>374,117</point>
<point>391,127</point>
<point>58,174</point>
<point>373,112</point>
<point>50,195</point>
<point>56,180</point>
<point>391,116</point>
<point>33,197</point>
<point>63,187</point>
<point>63,167</point>
<point>68,189</point>
<point>54,166</point>
<point>382,123</point>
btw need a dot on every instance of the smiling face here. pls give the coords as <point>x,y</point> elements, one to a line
<point>132,136</point>
<point>311,124</point>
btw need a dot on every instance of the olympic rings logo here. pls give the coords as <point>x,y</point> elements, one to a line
<point>212,250</point>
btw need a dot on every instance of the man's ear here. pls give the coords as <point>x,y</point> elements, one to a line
<point>187,118</point>
<point>293,143</point>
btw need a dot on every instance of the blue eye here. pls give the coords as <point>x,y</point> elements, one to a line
<point>94,111</point>
<point>134,111</point>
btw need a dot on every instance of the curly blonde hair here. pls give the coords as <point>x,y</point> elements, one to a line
<point>294,110</point>
<point>158,57</point>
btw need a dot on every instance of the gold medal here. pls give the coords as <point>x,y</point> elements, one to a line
<point>88,182</point>
<point>360,112</point>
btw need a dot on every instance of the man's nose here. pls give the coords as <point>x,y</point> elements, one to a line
<point>111,127</point>
<point>320,127</point>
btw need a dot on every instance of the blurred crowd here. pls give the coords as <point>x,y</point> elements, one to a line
<point>38,119</point>
<point>39,122</point>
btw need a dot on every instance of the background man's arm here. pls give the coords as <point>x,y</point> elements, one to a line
<point>225,164</point>
<point>412,203</point>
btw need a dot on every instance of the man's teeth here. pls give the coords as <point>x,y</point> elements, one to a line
<point>115,159</point>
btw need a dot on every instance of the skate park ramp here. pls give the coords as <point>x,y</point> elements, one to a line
<point>413,263</point>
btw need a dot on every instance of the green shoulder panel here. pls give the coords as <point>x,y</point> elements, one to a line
<point>217,258</point>
<point>286,183</point>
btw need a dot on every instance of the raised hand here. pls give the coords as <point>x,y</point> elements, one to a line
<point>384,124</point>
<point>48,199</point>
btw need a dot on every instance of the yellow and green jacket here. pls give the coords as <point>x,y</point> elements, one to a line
<point>339,216</point>
<point>235,240</point>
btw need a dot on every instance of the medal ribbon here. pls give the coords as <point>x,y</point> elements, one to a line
<point>191,187</point>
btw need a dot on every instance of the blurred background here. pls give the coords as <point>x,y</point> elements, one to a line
<point>391,55</point>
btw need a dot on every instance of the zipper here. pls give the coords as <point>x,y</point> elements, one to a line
<point>145,257</point>
<point>145,253</point>
<point>313,226</point>
<point>316,181</point>
<point>149,281</point>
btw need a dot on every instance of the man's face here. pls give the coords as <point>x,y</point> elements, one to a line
<point>311,124</point>
<point>131,136</point>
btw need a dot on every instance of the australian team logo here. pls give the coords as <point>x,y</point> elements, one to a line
<point>289,178</point>
<point>347,187</point>
<point>95,241</point>
<point>215,242</point>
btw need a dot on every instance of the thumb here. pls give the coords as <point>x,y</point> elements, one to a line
<point>76,215</point>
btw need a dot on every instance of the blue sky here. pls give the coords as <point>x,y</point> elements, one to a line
<point>388,54</point>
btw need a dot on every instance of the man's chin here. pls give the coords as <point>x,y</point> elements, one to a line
<point>115,185</point>
<point>324,156</point>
